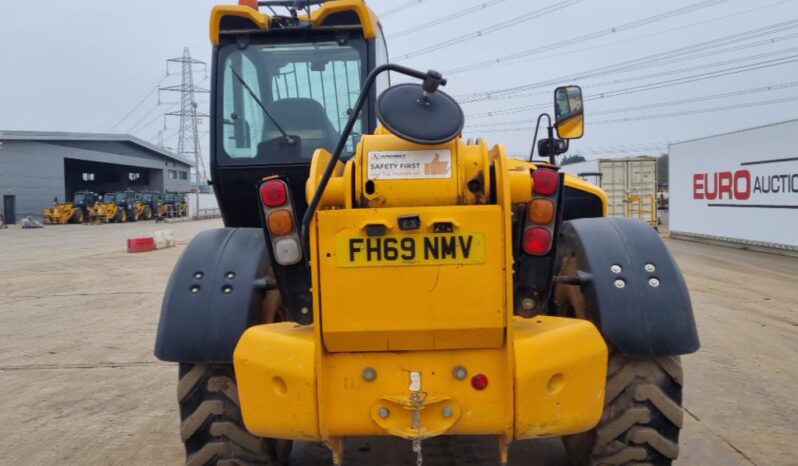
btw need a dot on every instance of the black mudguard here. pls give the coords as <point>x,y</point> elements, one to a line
<point>216,292</point>
<point>638,315</point>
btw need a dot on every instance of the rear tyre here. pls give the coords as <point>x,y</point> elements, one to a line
<point>121,216</point>
<point>147,213</point>
<point>642,415</point>
<point>211,426</point>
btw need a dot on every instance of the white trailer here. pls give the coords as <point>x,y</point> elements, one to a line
<point>630,184</point>
<point>739,188</point>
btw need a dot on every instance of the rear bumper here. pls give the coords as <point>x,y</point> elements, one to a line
<point>549,381</point>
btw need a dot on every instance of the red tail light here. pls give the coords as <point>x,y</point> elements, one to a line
<point>545,182</point>
<point>537,241</point>
<point>273,193</point>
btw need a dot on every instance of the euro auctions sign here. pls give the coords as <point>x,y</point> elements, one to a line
<point>767,189</point>
<point>740,186</point>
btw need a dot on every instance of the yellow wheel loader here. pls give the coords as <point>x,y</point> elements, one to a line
<point>379,276</point>
<point>76,211</point>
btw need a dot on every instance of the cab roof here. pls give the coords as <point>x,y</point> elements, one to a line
<point>330,15</point>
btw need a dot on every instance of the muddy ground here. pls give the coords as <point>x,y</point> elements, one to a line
<point>80,385</point>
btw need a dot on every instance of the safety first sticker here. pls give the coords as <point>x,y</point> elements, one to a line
<point>413,164</point>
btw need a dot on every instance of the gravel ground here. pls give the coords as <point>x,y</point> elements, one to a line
<point>80,385</point>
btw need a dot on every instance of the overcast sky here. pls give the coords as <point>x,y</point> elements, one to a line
<point>82,65</point>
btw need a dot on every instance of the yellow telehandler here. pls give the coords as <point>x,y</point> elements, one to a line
<point>378,275</point>
<point>76,211</point>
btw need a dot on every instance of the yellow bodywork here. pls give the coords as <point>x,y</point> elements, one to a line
<point>368,20</point>
<point>103,212</point>
<point>549,381</point>
<point>61,214</point>
<point>407,314</point>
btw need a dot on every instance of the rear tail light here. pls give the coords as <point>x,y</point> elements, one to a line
<point>541,211</point>
<point>280,222</point>
<point>537,241</point>
<point>273,193</point>
<point>287,251</point>
<point>545,182</point>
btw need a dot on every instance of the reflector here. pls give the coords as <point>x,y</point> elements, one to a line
<point>479,382</point>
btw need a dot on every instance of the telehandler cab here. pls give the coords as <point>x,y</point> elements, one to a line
<point>394,279</point>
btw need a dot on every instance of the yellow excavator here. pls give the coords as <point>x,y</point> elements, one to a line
<point>378,275</point>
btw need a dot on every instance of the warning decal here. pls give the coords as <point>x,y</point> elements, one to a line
<point>413,164</point>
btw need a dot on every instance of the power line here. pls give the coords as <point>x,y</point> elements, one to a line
<point>705,98</point>
<point>637,63</point>
<point>400,7</point>
<point>443,19</point>
<point>587,37</point>
<point>654,85</point>
<point>490,29</point>
<point>494,63</point>
<point>135,107</point>
<point>665,115</point>
<point>654,75</point>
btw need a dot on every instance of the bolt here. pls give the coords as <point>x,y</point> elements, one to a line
<point>384,412</point>
<point>195,289</point>
<point>447,411</point>
<point>198,276</point>
<point>616,268</point>
<point>369,374</point>
<point>620,283</point>
<point>304,310</point>
<point>528,303</point>
<point>650,267</point>
<point>460,373</point>
<point>227,289</point>
<point>230,275</point>
<point>653,282</point>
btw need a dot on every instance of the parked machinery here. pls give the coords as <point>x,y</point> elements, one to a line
<point>404,282</point>
<point>76,211</point>
<point>142,207</point>
<point>105,210</point>
<point>173,204</point>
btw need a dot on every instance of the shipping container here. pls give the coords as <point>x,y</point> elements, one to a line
<point>630,184</point>
<point>739,187</point>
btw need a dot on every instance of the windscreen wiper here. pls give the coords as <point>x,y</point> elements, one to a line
<point>288,139</point>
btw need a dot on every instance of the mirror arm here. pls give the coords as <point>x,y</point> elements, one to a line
<point>535,137</point>
<point>432,79</point>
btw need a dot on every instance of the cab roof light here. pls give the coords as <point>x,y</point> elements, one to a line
<point>273,193</point>
<point>541,211</point>
<point>537,241</point>
<point>249,3</point>
<point>545,181</point>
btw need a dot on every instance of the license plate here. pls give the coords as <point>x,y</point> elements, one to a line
<point>420,249</point>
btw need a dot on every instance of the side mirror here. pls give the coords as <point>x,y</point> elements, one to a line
<point>569,115</point>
